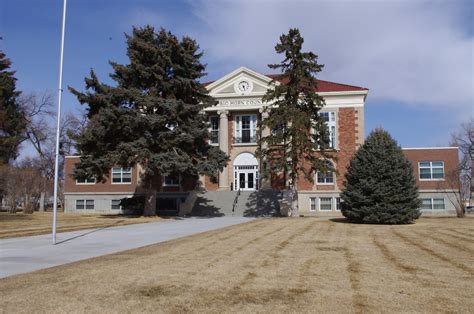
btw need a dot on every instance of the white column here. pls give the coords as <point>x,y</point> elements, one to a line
<point>224,146</point>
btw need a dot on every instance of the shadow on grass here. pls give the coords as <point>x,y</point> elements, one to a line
<point>343,220</point>
<point>263,203</point>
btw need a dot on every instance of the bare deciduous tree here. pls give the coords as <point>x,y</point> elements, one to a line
<point>462,178</point>
<point>38,172</point>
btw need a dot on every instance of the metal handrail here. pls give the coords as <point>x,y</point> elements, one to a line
<point>235,201</point>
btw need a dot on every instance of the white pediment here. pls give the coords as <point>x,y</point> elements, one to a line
<point>238,83</point>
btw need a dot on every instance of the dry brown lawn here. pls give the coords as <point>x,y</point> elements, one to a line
<point>269,265</point>
<point>19,224</point>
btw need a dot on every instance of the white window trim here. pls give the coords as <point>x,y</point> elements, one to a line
<point>86,183</point>
<point>253,128</point>
<point>432,209</point>
<point>218,130</point>
<point>85,204</point>
<point>335,203</point>
<point>179,182</point>
<point>121,175</point>
<point>315,204</point>
<point>333,177</point>
<point>326,183</point>
<point>431,171</point>
<point>331,124</point>
<point>111,204</point>
<point>325,210</point>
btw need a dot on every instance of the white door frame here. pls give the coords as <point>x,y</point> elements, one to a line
<point>246,172</point>
<point>249,184</point>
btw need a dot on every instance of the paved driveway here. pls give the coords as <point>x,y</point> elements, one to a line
<point>25,254</point>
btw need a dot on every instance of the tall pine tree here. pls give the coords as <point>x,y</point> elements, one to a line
<point>380,186</point>
<point>12,120</point>
<point>152,116</point>
<point>299,135</point>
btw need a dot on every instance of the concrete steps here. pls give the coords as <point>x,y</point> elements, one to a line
<point>250,204</point>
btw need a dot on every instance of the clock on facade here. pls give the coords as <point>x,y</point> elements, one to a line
<point>243,86</point>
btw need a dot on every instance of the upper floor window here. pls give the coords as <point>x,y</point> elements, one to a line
<point>326,177</point>
<point>121,175</point>
<point>171,181</point>
<point>86,181</point>
<point>431,170</point>
<point>214,130</point>
<point>245,129</point>
<point>330,119</point>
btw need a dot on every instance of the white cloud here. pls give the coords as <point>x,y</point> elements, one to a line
<point>407,51</point>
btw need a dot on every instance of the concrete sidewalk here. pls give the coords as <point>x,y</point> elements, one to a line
<point>25,254</point>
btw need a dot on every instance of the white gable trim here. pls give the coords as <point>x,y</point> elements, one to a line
<point>235,73</point>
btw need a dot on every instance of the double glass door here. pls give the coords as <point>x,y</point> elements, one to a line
<point>246,178</point>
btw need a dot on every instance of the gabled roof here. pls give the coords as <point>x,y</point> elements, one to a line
<point>322,85</point>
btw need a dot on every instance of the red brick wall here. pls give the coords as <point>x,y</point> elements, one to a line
<point>71,186</point>
<point>347,130</point>
<point>209,185</point>
<point>451,162</point>
<point>347,136</point>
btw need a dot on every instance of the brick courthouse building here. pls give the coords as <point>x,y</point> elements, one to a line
<point>233,127</point>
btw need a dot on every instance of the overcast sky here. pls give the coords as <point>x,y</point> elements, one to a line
<point>416,57</point>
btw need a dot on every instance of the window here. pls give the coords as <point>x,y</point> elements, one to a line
<point>89,204</point>
<point>431,170</point>
<point>84,204</point>
<point>326,177</point>
<point>325,203</point>
<point>312,204</point>
<point>80,204</point>
<point>338,203</point>
<point>115,204</point>
<point>171,181</point>
<point>121,175</point>
<point>330,119</point>
<point>245,129</point>
<point>86,181</point>
<point>214,130</point>
<point>426,203</point>
<point>438,203</point>
<point>432,204</point>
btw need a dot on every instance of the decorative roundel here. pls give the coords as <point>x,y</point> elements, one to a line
<point>243,87</point>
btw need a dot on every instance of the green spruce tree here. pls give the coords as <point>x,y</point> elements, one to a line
<point>380,187</point>
<point>12,120</point>
<point>152,116</point>
<point>299,138</point>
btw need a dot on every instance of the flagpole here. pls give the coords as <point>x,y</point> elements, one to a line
<point>58,125</point>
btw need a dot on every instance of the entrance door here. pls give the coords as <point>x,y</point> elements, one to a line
<point>245,172</point>
<point>245,178</point>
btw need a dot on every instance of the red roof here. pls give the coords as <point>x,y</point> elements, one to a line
<point>323,86</point>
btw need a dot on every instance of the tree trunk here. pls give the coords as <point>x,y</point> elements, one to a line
<point>28,206</point>
<point>41,204</point>
<point>12,205</point>
<point>460,211</point>
<point>294,203</point>
<point>150,203</point>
